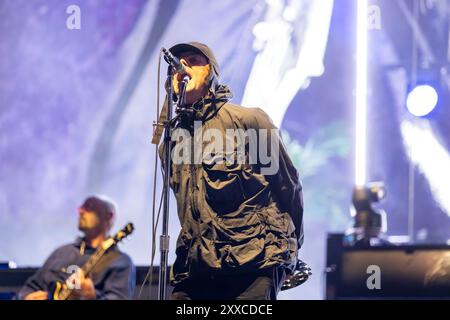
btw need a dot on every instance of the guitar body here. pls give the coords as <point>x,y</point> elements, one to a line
<point>59,289</point>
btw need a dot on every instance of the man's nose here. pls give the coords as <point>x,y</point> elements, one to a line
<point>180,75</point>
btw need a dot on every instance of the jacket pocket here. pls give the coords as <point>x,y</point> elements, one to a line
<point>223,186</point>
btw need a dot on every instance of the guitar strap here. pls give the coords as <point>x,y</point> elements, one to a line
<point>82,248</point>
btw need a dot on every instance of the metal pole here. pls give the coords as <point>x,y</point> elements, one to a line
<point>165,238</point>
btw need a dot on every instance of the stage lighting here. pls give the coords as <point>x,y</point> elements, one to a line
<point>369,223</point>
<point>422,99</point>
<point>361,93</point>
<point>364,196</point>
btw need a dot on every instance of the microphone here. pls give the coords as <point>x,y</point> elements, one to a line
<point>173,61</point>
<point>186,79</point>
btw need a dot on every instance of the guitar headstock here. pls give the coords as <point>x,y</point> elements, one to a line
<point>119,236</point>
<point>124,232</point>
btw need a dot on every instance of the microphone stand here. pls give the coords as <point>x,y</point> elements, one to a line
<point>165,238</point>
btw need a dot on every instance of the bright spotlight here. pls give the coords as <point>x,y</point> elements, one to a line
<point>422,100</point>
<point>361,93</point>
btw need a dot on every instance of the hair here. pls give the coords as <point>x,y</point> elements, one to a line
<point>103,206</point>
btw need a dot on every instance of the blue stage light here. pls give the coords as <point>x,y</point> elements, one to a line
<point>421,100</point>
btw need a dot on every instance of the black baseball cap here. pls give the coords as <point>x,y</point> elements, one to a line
<point>179,48</point>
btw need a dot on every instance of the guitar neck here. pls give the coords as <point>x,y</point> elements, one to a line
<point>93,260</point>
<point>87,268</point>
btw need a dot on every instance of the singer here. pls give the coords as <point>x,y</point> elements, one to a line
<point>241,224</point>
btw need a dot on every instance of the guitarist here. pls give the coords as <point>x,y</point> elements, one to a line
<point>112,278</point>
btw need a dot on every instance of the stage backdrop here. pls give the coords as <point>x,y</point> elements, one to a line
<point>78,83</point>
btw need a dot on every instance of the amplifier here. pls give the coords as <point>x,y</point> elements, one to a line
<point>386,272</point>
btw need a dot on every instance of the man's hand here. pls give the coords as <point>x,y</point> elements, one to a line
<point>87,289</point>
<point>37,295</point>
